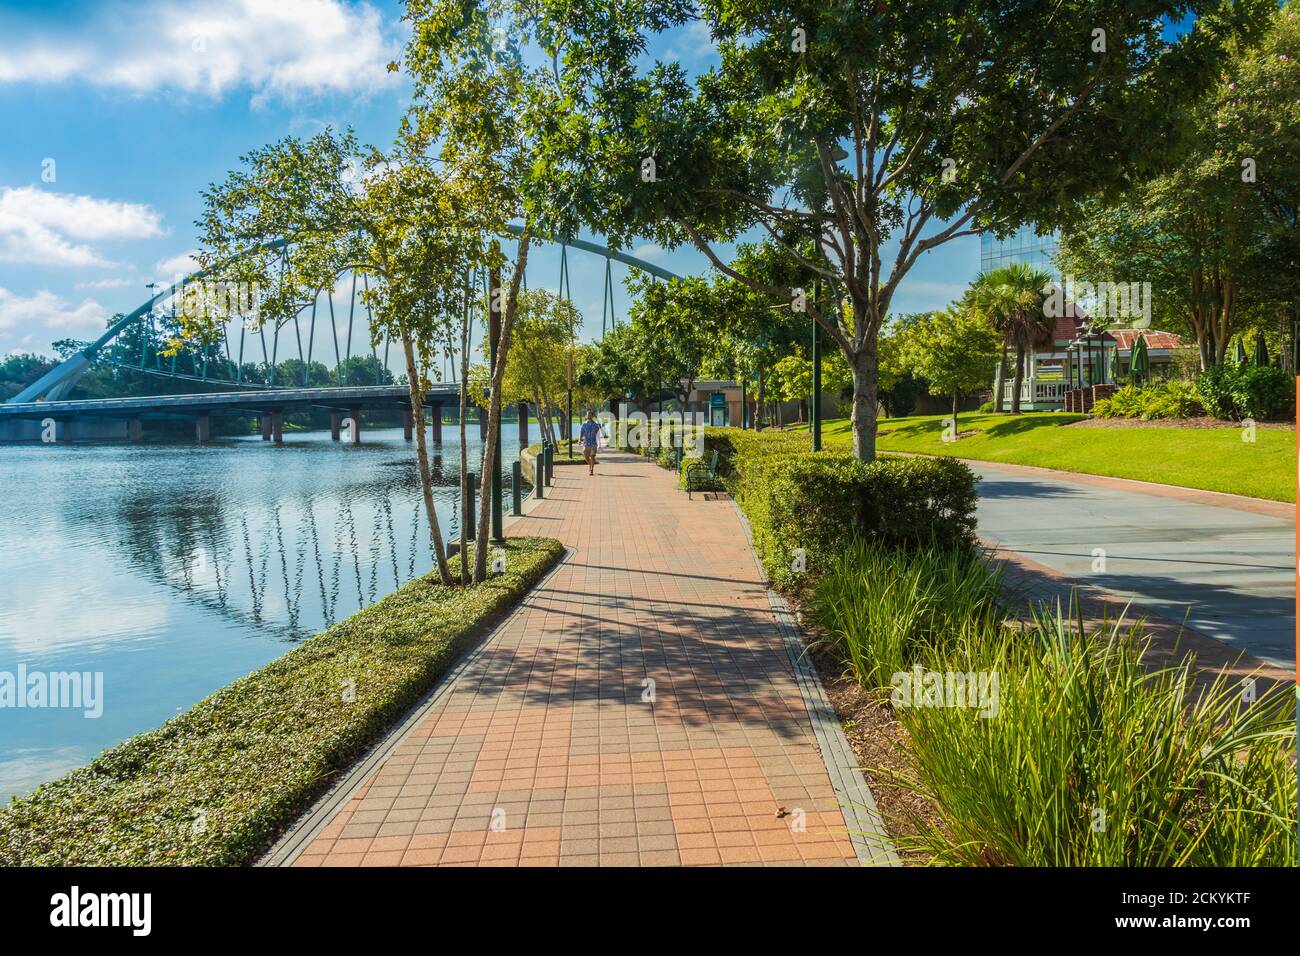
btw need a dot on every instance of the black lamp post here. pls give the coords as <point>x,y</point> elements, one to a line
<point>816,381</point>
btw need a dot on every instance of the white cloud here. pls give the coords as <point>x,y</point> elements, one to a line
<point>108,284</point>
<point>690,43</point>
<point>40,63</point>
<point>41,227</point>
<point>38,318</point>
<point>649,252</point>
<point>277,48</point>
<point>177,266</point>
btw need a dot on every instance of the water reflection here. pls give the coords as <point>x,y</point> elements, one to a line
<point>174,570</point>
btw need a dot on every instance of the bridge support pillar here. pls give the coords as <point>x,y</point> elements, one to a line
<point>435,416</point>
<point>408,424</point>
<point>336,422</point>
<point>203,428</point>
<point>265,420</point>
<point>356,426</point>
<point>134,429</point>
<point>482,423</point>
<point>277,427</point>
<point>523,424</point>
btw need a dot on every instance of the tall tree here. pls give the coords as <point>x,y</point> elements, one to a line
<point>870,129</point>
<point>343,207</point>
<point>486,108</point>
<point>1216,232</point>
<point>954,350</point>
<point>1010,299</point>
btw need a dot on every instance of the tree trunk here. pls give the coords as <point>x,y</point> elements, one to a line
<point>494,405</point>
<point>758,402</point>
<point>956,399</point>
<point>1019,379</point>
<point>464,450</point>
<point>1000,383</point>
<point>542,430</point>
<point>865,384</point>
<point>550,416</point>
<point>416,390</point>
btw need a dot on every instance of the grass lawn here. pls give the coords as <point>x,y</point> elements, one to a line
<point>562,456</point>
<point>1215,459</point>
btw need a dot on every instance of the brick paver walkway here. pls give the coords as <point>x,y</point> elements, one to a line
<point>640,709</point>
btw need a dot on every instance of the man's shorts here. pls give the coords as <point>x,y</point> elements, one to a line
<point>589,452</point>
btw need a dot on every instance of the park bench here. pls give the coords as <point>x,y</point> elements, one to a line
<point>698,471</point>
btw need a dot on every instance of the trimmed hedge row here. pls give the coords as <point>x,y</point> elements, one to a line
<point>216,785</point>
<point>818,502</point>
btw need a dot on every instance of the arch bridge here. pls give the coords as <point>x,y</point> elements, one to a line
<point>262,372</point>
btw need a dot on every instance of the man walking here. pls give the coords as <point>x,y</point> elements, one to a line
<point>590,434</point>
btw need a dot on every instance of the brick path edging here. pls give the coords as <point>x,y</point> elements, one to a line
<point>866,826</point>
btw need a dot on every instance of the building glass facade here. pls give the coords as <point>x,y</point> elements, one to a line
<point>1022,246</point>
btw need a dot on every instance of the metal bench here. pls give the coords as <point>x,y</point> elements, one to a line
<point>697,471</point>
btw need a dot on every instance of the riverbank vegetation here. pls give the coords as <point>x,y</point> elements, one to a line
<point>216,785</point>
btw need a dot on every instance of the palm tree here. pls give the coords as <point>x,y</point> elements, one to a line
<point>1011,298</point>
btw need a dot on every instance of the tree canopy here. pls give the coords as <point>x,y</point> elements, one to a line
<point>869,130</point>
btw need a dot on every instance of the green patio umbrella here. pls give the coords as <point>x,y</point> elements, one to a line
<point>1239,356</point>
<point>1261,351</point>
<point>1139,363</point>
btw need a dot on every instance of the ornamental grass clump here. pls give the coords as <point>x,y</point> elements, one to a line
<point>1090,756</point>
<point>885,609</point>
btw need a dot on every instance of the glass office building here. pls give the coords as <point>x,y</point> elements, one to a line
<point>1021,246</point>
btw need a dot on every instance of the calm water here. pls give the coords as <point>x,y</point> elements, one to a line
<point>174,569</point>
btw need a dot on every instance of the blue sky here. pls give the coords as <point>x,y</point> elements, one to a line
<point>141,105</point>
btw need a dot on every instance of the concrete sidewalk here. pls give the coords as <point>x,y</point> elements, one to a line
<point>640,708</point>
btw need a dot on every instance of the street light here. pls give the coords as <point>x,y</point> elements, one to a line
<point>816,379</point>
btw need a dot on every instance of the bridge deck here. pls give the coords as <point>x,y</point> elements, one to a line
<point>270,399</point>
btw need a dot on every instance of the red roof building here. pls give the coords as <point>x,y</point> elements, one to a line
<point>1076,354</point>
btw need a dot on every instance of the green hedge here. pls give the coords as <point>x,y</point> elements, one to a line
<point>1234,392</point>
<point>817,502</point>
<point>256,753</point>
<point>735,446</point>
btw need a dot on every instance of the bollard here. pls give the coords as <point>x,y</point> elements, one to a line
<point>550,465</point>
<point>539,469</point>
<point>468,533</point>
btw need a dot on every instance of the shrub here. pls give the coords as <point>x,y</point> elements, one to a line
<point>257,752</point>
<point>1175,398</point>
<point>1095,757</point>
<point>665,456</point>
<point>1234,392</point>
<point>987,408</point>
<point>735,446</point>
<point>816,503</point>
<point>886,609</point>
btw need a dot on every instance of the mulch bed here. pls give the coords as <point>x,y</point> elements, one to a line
<point>1203,422</point>
<point>879,742</point>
